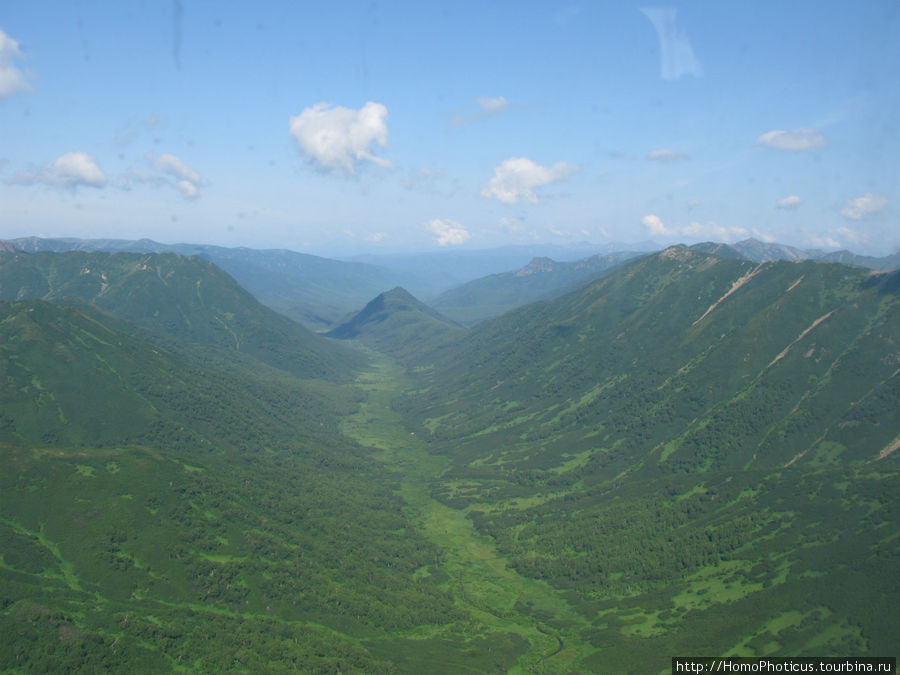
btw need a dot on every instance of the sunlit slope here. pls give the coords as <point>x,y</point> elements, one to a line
<point>187,298</point>
<point>541,279</point>
<point>398,324</point>
<point>680,361</point>
<point>698,452</point>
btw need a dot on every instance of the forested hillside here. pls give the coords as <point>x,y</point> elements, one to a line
<point>398,324</point>
<point>694,454</point>
<point>699,449</point>
<point>185,298</point>
<point>540,279</point>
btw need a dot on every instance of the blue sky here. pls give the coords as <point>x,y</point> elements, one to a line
<point>343,127</point>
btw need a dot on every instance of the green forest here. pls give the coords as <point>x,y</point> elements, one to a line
<point>688,454</point>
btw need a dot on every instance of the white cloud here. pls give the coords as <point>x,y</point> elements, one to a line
<point>798,140</point>
<point>338,138</point>
<point>173,166</point>
<point>654,225</point>
<point>187,189</point>
<point>12,79</point>
<point>676,54</point>
<point>694,230</point>
<point>517,177</point>
<point>448,232</point>
<point>693,204</point>
<point>861,207</point>
<point>375,236</point>
<point>557,232</point>
<point>666,155</point>
<point>789,203</point>
<point>72,170</point>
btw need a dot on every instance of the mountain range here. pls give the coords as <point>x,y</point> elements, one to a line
<point>682,452</point>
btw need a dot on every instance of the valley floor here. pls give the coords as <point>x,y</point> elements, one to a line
<point>480,578</point>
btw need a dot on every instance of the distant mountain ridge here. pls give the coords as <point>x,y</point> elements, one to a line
<point>187,298</point>
<point>753,249</point>
<point>541,279</point>
<point>311,290</point>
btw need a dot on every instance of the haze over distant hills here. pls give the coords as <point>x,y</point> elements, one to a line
<point>468,286</point>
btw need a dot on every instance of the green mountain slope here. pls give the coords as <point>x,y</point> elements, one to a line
<point>541,279</point>
<point>398,324</point>
<point>683,335</point>
<point>315,291</point>
<point>698,450</point>
<point>186,298</point>
<point>149,508</point>
<point>73,378</point>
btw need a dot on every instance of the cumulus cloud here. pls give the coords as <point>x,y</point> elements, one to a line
<point>338,138</point>
<point>676,54</point>
<point>448,232</point>
<point>71,170</point>
<point>798,140</point>
<point>12,80</point>
<point>862,207</point>
<point>789,203</point>
<point>666,155</point>
<point>655,225</point>
<point>74,169</point>
<point>517,177</point>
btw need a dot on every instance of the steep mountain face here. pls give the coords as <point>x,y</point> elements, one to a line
<point>398,324</point>
<point>691,442</point>
<point>540,279</point>
<point>187,298</point>
<point>680,349</point>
